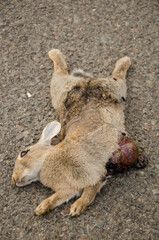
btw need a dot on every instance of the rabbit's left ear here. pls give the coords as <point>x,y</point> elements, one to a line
<point>50,131</point>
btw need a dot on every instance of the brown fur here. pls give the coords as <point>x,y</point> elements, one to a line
<point>90,111</point>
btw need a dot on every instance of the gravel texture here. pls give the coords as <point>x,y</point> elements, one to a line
<point>93,34</point>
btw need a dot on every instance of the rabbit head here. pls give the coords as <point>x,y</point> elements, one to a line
<point>30,160</point>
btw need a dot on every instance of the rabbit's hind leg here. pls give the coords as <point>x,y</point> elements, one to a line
<point>121,67</point>
<point>86,199</point>
<point>60,65</point>
<point>55,200</point>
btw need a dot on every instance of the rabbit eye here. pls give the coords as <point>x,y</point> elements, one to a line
<point>23,153</point>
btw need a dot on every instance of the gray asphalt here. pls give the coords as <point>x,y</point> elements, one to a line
<point>93,35</point>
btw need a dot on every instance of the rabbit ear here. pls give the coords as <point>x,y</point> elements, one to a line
<point>50,131</point>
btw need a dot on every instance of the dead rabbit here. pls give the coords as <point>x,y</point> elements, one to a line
<point>90,121</point>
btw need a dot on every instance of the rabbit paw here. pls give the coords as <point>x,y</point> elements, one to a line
<point>77,207</point>
<point>45,206</point>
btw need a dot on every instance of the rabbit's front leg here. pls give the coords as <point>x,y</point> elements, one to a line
<point>55,200</point>
<point>86,199</point>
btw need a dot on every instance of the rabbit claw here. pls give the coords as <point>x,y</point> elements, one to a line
<point>77,208</point>
<point>45,206</point>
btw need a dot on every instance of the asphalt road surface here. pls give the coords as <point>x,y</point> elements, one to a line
<point>93,35</point>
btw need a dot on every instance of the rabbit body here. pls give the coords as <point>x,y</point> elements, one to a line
<point>91,113</point>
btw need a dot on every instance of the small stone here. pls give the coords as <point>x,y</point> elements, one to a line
<point>155,191</point>
<point>28,95</point>
<point>140,199</point>
<point>153,122</point>
<point>146,127</point>
<point>42,67</point>
<point>21,235</point>
<point>100,224</point>
<point>84,236</point>
<point>76,19</point>
<point>19,99</point>
<point>103,39</point>
<point>127,230</point>
<point>61,235</point>
<point>19,137</point>
<point>26,133</point>
<point>157,166</point>
<point>35,224</point>
<point>2,156</point>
